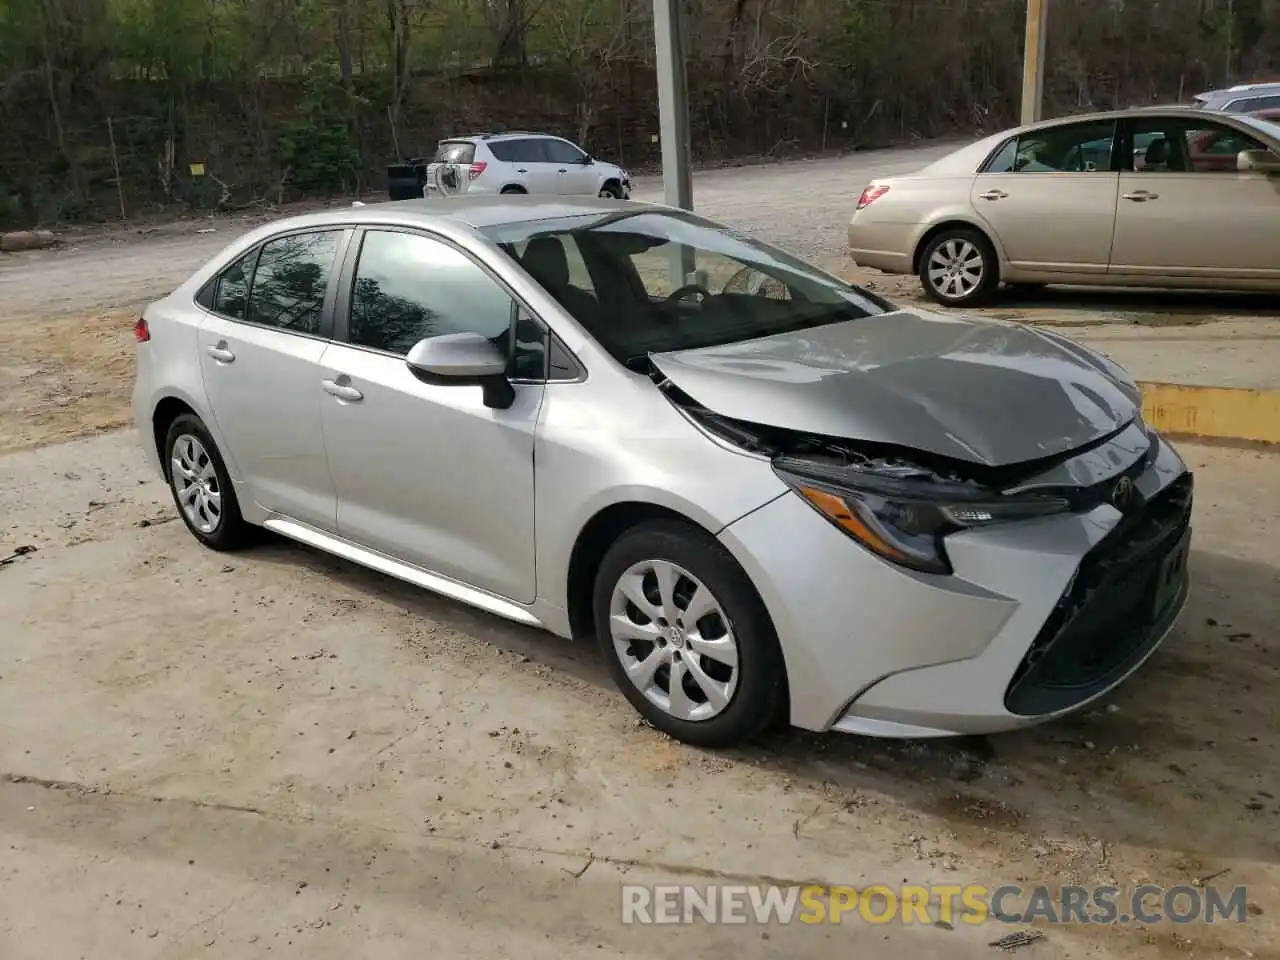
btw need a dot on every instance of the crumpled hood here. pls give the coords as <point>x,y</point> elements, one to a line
<point>981,391</point>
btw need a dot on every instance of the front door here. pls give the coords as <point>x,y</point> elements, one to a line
<point>1050,198</point>
<point>260,350</point>
<point>574,176</point>
<point>426,473</point>
<point>1186,211</point>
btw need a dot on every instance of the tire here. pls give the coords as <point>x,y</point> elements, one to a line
<point>953,248</point>
<point>611,190</point>
<point>746,697</point>
<point>508,191</point>
<point>188,441</point>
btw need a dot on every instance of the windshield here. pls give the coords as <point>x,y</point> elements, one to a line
<point>1268,127</point>
<point>653,281</point>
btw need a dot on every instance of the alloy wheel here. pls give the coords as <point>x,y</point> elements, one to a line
<point>956,267</point>
<point>674,640</point>
<point>195,481</point>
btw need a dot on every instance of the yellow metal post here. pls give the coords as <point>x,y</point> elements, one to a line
<point>1033,61</point>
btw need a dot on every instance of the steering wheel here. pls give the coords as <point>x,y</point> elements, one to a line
<point>683,292</point>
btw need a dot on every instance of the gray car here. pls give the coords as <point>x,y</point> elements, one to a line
<point>768,494</point>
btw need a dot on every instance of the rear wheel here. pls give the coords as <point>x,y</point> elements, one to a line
<point>686,637</point>
<point>201,486</point>
<point>958,268</point>
<point>513,190</point>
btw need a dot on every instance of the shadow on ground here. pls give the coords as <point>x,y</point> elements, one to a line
<point>1184,758</point>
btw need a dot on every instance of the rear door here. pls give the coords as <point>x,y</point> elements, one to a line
<point>1186,211</point>
<point>269,322</point>
<point>1049,197</point>
<point>532,166</point>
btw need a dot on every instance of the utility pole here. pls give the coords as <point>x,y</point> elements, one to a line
<point>673,114</point>
<point>1033,60</point>
<point>673,101</point>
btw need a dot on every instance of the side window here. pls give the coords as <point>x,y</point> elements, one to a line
<point>231,292</point>
<point>1074,148</point>
<point>561,152</point>
<point>1187,146</point>
<point>1250,104</point>
<point>290,280</point>
<point>503,151</point>
<point>1004,159</point>
<point>529,360</point>
<point>408,287</point>
<point>529,151</point>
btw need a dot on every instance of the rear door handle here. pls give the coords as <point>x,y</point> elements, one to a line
<point>521,170</point>
<point>1140,196</point>
<point>221,353</point>
<point>993,195</point>
<point>343,391</point>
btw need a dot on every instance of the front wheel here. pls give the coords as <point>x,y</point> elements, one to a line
<point>201,486</point>
<point>611,191</point>
<point>958,268</point>
<point>686,636</point>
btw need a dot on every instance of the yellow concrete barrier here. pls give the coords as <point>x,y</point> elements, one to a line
<point>1213,413</point>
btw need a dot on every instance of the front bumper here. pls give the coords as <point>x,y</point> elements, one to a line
<point>1039,619</point>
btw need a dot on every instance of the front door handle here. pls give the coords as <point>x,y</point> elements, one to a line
<point>221,353</point>
<point>562,170</point>
<point>343,391</point>
<point>993,195</point>
<point>1140,196</point>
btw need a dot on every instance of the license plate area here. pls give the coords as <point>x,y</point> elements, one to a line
<point>1170,576</point>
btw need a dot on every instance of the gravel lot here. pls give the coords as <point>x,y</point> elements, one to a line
<point>213,756</point>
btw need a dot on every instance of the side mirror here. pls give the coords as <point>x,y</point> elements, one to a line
<point>463,359</point>
<point>1257,161</point>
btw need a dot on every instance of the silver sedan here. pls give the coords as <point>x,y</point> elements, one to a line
<point>769,495</point>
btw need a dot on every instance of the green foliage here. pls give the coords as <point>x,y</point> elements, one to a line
<point>318,149</point>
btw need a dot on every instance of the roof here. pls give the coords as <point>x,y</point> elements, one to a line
<point>476,211</point>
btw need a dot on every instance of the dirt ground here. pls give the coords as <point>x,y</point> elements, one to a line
<point>277,752</point>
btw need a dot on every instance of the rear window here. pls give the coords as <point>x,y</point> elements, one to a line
<point>455,151</point>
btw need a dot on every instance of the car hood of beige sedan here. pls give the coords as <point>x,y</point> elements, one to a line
<point>979,391</point>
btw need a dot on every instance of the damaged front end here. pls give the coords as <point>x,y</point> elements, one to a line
<point>898,503</point>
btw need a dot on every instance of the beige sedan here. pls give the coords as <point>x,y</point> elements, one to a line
<point>1173,197</point>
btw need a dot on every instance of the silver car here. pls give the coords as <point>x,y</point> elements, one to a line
<point>769,495</point>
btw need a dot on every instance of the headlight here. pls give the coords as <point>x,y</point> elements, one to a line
<point>902,513</point>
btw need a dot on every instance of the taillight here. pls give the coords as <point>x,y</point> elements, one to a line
<point>870,195</point>
<point>477,168</point>
<point>141,332</point>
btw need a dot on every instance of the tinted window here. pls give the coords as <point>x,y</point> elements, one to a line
<point>503,150</point>
<point>455,151</point>
<point>529,151</point>
<point>1249,104</point>
<point>741,288</point>
<point>560,152</point>
<point>1175,145</point>
<point>408,287</point>
<point>290,280</point>
<point>1076,148</point>
<point>232,290</point>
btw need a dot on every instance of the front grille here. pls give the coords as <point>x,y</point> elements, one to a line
<point>1125,595</point>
